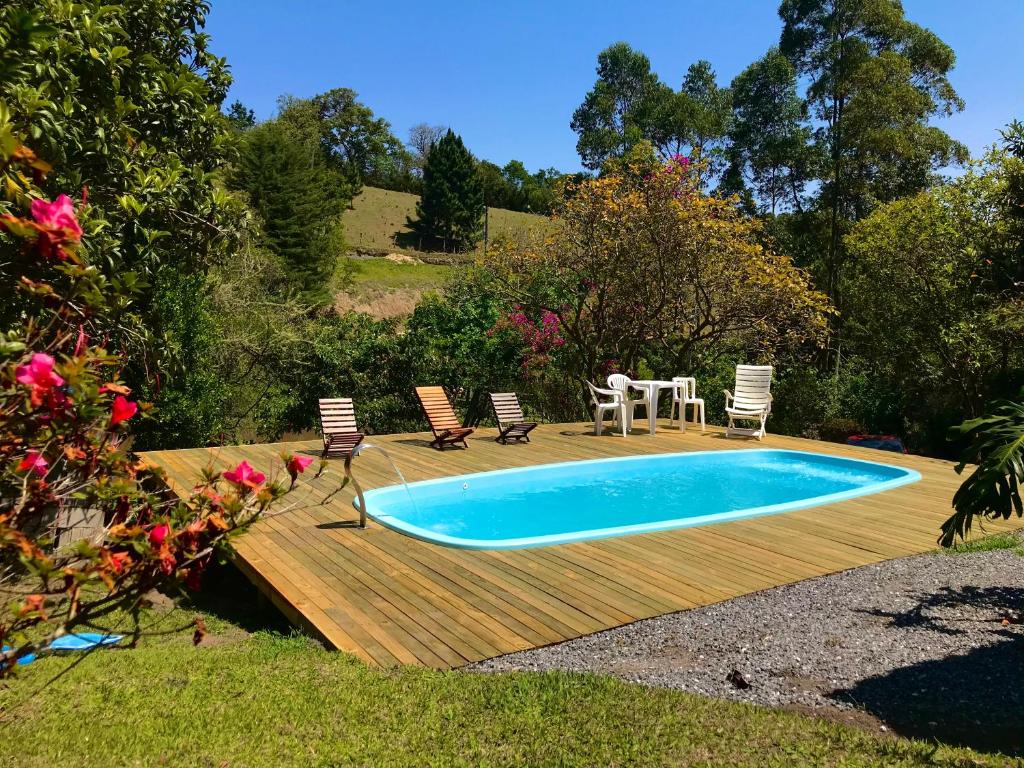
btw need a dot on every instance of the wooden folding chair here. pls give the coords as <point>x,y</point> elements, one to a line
<point>338,427</point>
<point>441,416</point>
<point>512,425</point>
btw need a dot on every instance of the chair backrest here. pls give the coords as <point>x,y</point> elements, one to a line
<point>753,386</point>
<point>688,386</point>
<point>507,409</point>
<point>438,409</point>
<point>337,416</point>
<point>619,381</point>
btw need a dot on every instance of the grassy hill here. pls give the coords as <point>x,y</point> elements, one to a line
<point>385,284</point>
<point>377,222</point>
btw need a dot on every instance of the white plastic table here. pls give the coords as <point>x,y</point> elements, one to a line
<point>653,388</point>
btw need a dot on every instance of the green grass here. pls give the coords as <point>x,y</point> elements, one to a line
<point>272,700</point>
<point>990,543</point>
<point>386,288</point>
<point>377,221</point>
<point>384,274</point>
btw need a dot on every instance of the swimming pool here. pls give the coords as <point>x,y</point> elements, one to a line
<point>579,500</point>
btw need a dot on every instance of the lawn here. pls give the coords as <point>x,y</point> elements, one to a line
<point>272,699</point>
<point>385,274</point>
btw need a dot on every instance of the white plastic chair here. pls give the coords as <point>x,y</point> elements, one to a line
<point>621,382</point>
<point>683,395</point>
<point>752,401</point>
<point>617,406</point>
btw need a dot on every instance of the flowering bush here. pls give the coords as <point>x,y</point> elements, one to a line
<point>641,264</point>
<point>64,416</point>
<point>540,339</point>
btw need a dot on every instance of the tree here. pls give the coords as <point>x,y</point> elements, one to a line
<point>300,204</point>
<point>124,101</point>
<point>693,121</point>
<point>769,138</point>
<point>450,211</point>
<point>644,264</point>
<point>496,190</point>
<point>874,80</point>
<point>940,267</point>
<point>64,419</point>
<point>422,138</point>
<point>241,117</point>
<point>709,116</point>
<point>350,138</point>
<point>615,114</point>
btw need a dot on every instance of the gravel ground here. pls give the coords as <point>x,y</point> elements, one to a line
<point>930,646</point>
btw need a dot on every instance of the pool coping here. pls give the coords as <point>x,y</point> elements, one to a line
<point>907,477</point>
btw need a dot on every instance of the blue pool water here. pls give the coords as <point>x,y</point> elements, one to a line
<point>573,501</point>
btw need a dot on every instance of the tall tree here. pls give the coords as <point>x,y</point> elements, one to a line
<point>300,205</point>
<point>450,210</point>
<point>769,137</point>
<point>615,113</point>
<point>350,138</point>
<point>874,80</point>
<point>709,115</point>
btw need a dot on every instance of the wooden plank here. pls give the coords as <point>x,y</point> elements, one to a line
<point>391,599</point>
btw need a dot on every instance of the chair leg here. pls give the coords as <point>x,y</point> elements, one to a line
<point>702,428</point>
<point>598,422</point>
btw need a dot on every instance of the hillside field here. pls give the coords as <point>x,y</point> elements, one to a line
<point>384,284</point>
<point>377,222</point>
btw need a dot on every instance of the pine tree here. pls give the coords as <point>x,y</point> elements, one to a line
<point>300,202</point>
<point>451,207</point>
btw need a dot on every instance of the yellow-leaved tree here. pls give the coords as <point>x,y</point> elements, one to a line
<point>643,265</point>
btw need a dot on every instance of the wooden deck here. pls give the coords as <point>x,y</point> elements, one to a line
<point>391,599</point>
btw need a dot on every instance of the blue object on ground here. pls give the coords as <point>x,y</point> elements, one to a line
<point>82,641</point>
<point>27,659</point>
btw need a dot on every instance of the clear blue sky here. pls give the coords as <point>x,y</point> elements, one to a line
<point>507,76</point>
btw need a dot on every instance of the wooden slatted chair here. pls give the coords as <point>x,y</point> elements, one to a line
<point>443,421</point>
<point>338,426</point>
<point>512,424</point>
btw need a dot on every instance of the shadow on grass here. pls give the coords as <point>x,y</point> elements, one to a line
<point>228,595</point>
<point>974,699</point>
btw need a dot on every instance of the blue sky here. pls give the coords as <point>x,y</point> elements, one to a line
<point>507,76</point>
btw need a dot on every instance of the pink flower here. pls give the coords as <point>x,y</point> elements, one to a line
<point>58,217</point>
<point>299,464</point>
<point>35,462</point>
<point>57,226</point>
<point>38,373</point>
<point>158,534</point>
<point>245,475</point>
<point>122,410</point>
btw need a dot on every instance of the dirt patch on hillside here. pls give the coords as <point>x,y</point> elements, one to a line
<point>382,304</point>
